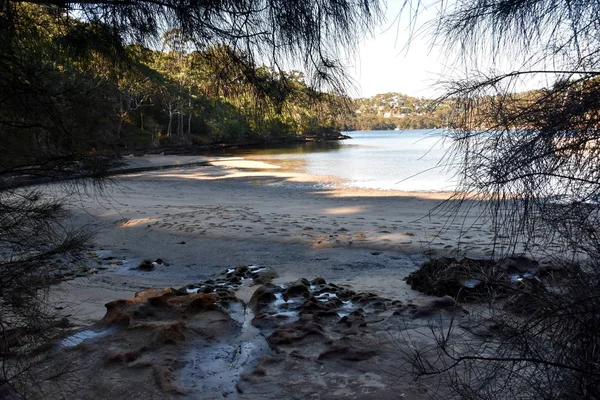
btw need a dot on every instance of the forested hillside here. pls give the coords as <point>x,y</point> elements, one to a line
<point>395,110</point>
<point>70,87</point>
<point>78,85</point>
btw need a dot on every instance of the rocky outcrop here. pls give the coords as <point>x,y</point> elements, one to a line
<point>152,304</point>
<point>232,278</point>
<point>465,279</point>
<point>303,339</point>
<point>469,280</point>
<point>436,307</point>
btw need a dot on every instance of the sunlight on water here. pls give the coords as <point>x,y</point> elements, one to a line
<point>408,160</point>
<point>84,334</point>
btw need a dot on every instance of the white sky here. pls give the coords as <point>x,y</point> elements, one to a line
<point>384,63</point>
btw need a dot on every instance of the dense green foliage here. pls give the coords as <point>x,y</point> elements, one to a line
<point>81,78</point>
<point>81,82</point>
<point>177,94</point>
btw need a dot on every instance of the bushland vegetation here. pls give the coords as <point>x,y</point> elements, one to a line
<point>82,82</point>
<point>394,110</point>
<point>534,158</point>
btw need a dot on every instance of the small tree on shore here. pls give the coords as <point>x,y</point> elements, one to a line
<point>534,158</point>
<point>533,155</point>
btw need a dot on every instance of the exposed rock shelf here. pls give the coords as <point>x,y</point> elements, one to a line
<point>304,339</point>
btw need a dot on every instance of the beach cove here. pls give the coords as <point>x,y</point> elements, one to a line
<point>197,221</point>
<point>202,219</point>
<point>181,229</point>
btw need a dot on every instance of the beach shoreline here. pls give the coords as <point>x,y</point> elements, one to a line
<point>234,211</point>
<point>335,258</point>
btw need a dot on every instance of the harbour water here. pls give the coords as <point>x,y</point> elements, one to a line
<point>406,160</point>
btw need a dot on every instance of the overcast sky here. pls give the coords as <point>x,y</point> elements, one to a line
<point>384,63</point>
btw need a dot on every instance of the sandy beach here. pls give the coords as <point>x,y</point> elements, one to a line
<point>214,223</point>
<point>204,219</point>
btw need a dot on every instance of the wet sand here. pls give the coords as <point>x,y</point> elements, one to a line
<point>203,219</point>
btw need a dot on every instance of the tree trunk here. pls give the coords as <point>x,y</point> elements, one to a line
<point>121,116</point>
<point>189,131</point>
<point>120,127</point>
<point>170,123</point>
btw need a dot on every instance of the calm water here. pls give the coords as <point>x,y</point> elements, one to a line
<point>400,160</point>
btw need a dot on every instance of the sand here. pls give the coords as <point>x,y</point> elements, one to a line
<point>203,219</point>
<point>205,215</point>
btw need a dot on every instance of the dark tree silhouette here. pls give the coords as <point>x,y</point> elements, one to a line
<point>534,157</point>
<point>533,154</point>
<point>270,31</point>
<point>53,117</point>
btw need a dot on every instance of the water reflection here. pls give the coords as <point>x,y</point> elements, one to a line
<point>294,148</point>
<point>390,160</point>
